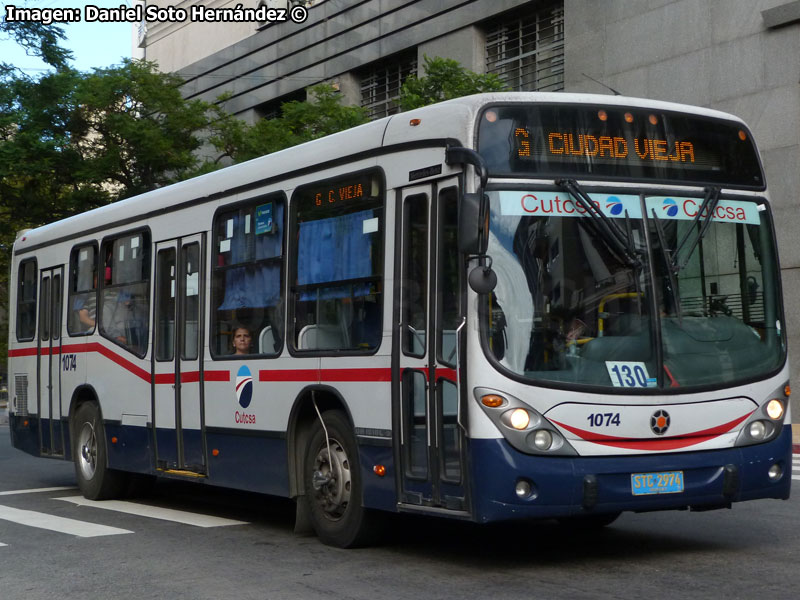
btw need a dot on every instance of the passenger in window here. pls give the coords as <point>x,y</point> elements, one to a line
<point>123,320</point>
<point>85,307</point>
<point>241,340</point>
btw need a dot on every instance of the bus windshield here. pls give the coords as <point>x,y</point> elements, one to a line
<point>698,307</point>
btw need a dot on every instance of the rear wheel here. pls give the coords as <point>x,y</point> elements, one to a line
<point>95,480</point>
<point>333,485</point>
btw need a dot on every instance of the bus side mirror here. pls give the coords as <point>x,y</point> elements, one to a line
<point>473,223</point>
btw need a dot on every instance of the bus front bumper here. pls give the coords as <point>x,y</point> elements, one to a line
<point>572,486</point>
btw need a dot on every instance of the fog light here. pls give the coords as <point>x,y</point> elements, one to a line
<point>543,439</point>
<point>775,472</point>
<point>775,409</point>
<point>520,419</point>
<point>758,430</point>
<point>523,489</point>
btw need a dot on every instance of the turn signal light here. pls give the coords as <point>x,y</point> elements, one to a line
<point>492,400</point>
<point>379,470</point>
<point>415,122</point>
<point>787,391</point>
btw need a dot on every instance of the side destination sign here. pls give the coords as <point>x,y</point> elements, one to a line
<point>545,204</point>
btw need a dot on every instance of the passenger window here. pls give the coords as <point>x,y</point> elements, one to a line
<point>82,315</point>
<point>125,298</point>
<point>26,301</point>
<point>337,264</point>
<point>246,281</point>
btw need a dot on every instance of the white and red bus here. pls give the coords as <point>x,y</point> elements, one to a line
<point>507,306</point>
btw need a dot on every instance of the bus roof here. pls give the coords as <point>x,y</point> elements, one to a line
<point>452,120</point>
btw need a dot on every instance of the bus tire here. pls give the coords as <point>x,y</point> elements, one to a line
<point>95,480</point>
<point>334,487</point>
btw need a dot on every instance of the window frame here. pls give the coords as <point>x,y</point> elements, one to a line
<point>280,308</point>
<point>292,291</point>
<point>72,293</point>
<point>147,247</point>
<point>29,303</point>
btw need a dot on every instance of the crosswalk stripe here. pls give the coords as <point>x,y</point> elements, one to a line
<point>796,477</point>
<point>60,524</point>
<point>36,490</point>
<point>2,544</point>
<point>155,512</point>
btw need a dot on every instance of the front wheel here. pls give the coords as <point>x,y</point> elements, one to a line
<point>333,485</point>
<point>95,480</point>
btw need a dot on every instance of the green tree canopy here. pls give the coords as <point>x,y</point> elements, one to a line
<point>445,79</point>
<point>322,114</point>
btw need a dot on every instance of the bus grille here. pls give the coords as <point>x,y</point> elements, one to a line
<point>21,395</point>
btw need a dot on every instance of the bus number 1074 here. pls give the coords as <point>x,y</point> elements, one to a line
<point>603,419</point>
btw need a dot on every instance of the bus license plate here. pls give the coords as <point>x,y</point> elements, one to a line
<point>668,482</point>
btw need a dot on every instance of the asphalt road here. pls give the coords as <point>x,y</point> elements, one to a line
<point>193,542</point>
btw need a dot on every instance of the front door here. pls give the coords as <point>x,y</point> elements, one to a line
<point>177,342</point>
<point>49,369</point>
<point>430,447</point>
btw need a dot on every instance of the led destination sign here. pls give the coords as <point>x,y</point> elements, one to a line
<point>545,141</point>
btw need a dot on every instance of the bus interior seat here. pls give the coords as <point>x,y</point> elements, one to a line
<point>320,337</point>
<point>266,341</point>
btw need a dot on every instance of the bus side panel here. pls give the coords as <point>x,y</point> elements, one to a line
<point>254,462</point>
<point>379,490</point>
<point>132,450</point>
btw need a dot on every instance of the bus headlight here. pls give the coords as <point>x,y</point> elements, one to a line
<point>543,439</point>
<point>758,430</point>
<point>775,409</point>
<point>521,425</point>
<point>519,419</point>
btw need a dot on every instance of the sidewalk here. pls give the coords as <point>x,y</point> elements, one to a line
<point>3,413</point>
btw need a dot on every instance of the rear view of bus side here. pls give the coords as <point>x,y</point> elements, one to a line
<point>507,306</point>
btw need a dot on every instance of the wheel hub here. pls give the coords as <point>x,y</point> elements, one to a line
<point>332,480</point>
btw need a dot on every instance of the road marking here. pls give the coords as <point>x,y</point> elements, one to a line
<point>60,524</point>
<point>36,491</point>
<point>2,544</point>
<point>155,512</point>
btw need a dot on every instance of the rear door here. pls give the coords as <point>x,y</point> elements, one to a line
<point>49,368</point>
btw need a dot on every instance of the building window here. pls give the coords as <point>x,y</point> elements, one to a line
<point>274,108</point>
<point>527,50</point>
<point>380,85</point>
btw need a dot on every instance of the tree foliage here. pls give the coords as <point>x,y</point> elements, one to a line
<point>322,114</point>
<point>445,79</point>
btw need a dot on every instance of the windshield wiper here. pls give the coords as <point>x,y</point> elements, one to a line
<point>710,201</point>
<point>617,241</point>
<point>668,262</point>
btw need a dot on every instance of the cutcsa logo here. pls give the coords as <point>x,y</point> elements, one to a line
<point>244,386</point>
<point>670,207</point>
<point>614,205</point>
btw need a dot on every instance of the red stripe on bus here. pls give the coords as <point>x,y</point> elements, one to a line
<point>165,378</point>
<point>373,374</point>
<point>289,375</point>
<point>217,375</point>
<point>670,443</point>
